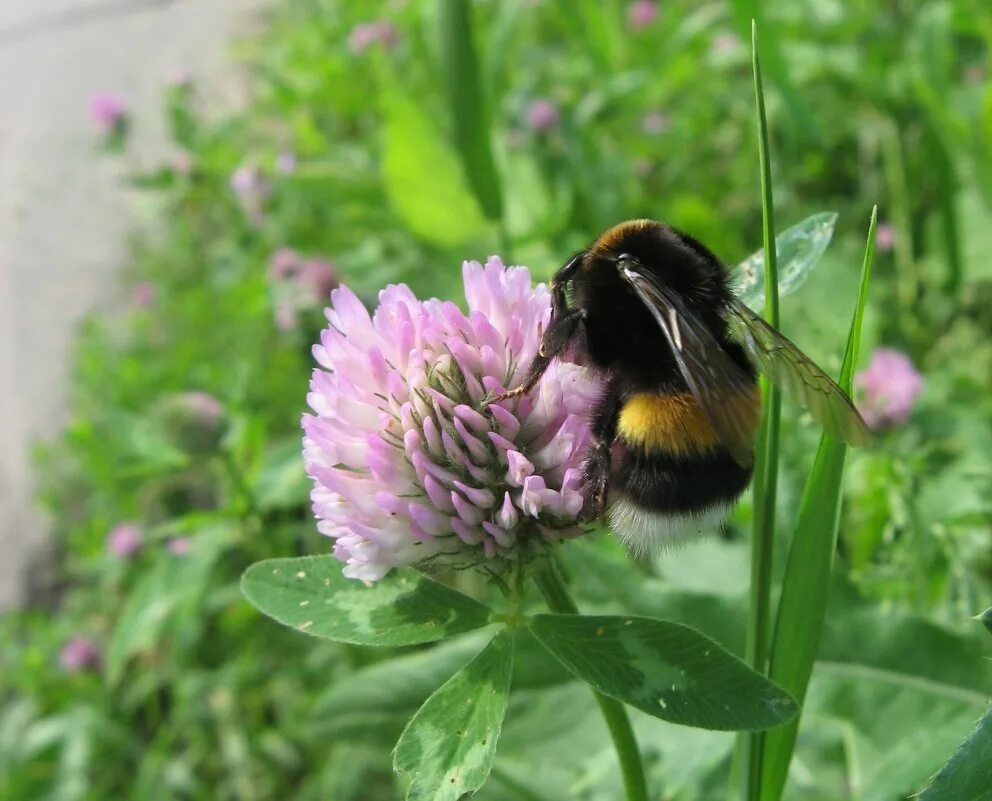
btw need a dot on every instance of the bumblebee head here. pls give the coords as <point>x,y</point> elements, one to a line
<point>672,258</point>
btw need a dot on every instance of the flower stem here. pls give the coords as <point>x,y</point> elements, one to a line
<point>556,595</point>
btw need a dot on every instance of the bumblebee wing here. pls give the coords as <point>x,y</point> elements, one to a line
<point>794,372</point>
<point>711,375</point>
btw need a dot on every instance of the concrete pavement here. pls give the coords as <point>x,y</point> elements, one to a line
<point>64,217</point>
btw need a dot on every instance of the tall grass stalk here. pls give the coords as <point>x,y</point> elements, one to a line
<point>908,278</point>
<point>949,220</point>
<point>802,606</point>
<point>766,454</point>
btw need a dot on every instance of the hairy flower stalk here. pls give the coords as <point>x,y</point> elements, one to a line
<point>408,464</point>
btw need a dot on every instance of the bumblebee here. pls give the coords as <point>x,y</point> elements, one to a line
<point>651,310</point>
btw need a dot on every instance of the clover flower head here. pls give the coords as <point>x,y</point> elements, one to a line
<point>319,277</point>
<point>407,464</point>
<point>655,122</point>
<point>285,316</point>
<point>143,294</point>
<point>974,73</point>
<point>380,32</point>
<point>124,540</point>
<point>889,388</point>
<point>248,180</point>
<point>202,406</point>
<point>180,79</point>
<point>179,546</point>
<point>252,189</point>
<point>286,162</point>
<point>299,283</point>
<point>108,112</point>
<point>182,163</point>
<point>642,13</point>
<point>542,116</point>
<point>885,237</point>
<point>78,654</point>
<point>283,264</point>
<point>725,42</point>
<point>194,422</point>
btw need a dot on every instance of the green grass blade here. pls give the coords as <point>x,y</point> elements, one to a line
<point>803,603</point>
<point>949,219</point>
<point>598,26</point>
<point>766,455</point>
<point>470,108</point>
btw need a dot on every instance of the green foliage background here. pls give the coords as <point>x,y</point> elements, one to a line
<point>199,697</point>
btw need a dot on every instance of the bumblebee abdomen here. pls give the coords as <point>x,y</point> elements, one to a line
<point>658,499</point>
<point>673,424</point>
<point>674,478</point>
<point>680,484</point>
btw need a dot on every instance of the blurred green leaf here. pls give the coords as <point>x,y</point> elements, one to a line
<point>986,618</point>
<point>665,669</point>
<point>968,774</point>
<point>405,608</point>
<point>469,106</point>
<point>183,124</point>
<point>533,210</point>
<point>398,684</point>
<point>423,179</point>
<point>554,746</point>
<point>281,481</point>
<point>447,750</point>
<point>799,250</point>
<point>894,766</point>
<point>152,606</point>
<point>597,26</point>
<point>403,682</point>
<point>805,586</point>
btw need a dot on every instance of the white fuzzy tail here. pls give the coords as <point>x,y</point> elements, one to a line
<point>647,532</point>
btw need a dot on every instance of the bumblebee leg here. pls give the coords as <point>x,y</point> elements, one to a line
<point>561,330</point>
<point>555,341</point>
<point>596,466</point>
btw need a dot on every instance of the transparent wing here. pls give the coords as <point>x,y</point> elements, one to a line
<point>799,248</point>
<point>796,374</point>
<point>711,375</point>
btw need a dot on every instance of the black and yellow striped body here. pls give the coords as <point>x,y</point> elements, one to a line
<point>670,475</point>
<point>650,309</point>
